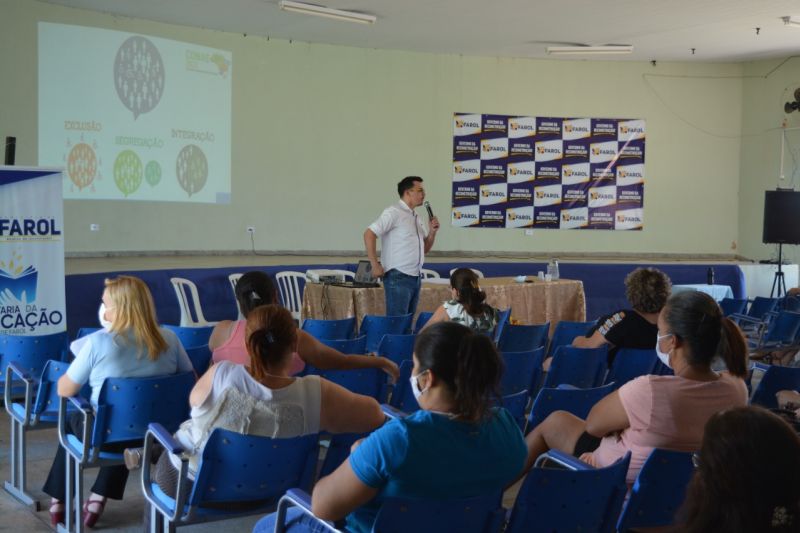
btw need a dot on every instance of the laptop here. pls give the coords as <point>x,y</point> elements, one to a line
<point>363,277</point>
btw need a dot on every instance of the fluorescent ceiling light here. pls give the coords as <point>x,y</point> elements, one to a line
<point>327,12</point>
<point>791,21</point>
<point>589,50</point>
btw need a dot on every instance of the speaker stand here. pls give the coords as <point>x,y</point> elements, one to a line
<point>778,281</point>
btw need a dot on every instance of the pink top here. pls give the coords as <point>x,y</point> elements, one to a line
<point>234,350</point>
<point>667,412</point>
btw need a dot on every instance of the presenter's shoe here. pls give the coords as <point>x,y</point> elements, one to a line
<point>90,518</point>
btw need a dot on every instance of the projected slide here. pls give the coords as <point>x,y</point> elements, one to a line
<point>134,117</point>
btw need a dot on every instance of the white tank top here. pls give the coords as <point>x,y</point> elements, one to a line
<point>239,403</point>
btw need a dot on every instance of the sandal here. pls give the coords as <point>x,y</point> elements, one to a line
<point>56,513</point>
<point>90,518</point>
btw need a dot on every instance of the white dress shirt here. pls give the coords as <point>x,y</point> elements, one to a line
<point>402,237</point>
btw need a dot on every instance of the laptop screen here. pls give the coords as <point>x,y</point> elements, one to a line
<point>364,273</point>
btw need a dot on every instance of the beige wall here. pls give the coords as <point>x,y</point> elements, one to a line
<point>767,86</point>
<point>321,134</point>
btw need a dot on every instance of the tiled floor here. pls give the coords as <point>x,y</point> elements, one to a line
<point>125,515</point>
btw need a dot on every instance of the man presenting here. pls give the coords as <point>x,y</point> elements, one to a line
<point>404,243</point>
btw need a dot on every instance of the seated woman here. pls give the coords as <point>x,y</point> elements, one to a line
<point>456,446</point>
<point>659,411</point>
<point>255,289</point>
<point>466,306</point>
<point>263,398</point>
<point>132,346</point>
<point>746,475</point>
<point>647,289</point>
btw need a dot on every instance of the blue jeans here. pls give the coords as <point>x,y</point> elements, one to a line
<point>401,291</point>
<point>296,522</point>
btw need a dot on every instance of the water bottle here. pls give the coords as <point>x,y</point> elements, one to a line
<point>710,276</point>
<point>552,269</point>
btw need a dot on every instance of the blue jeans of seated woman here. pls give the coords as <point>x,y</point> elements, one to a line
<point>296,522</point>
<point>401,291</point>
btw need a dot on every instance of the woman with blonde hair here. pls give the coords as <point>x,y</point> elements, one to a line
<point>130,345</point>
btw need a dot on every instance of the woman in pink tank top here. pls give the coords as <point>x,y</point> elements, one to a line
<point>255,289</point>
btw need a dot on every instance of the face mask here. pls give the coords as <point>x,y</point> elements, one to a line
<point>101,314</point>
<point>415,386</point>
<point>663,357</point>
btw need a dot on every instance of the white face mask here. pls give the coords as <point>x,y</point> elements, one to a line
<point>101,314</point>
<point>415,386</point>
<point>663,357</point>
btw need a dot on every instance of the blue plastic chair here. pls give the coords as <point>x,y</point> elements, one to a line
<point>191,337</point>
<point>422,319</point>
<point>658,491</point>
<point>776,378</point>
<point>330,329</point>
<point>200,356</point>
<point>781,331</point>
<point>338,451</point>
<point>376,326</point>
<point>791,303</point>
<point>366,381</point>
<point>398,348</point>
<point>629,364</point>
<point>565,333</point>
<point>758,315</point>
<point>575,497</point>
<point>579,367</point>
<point>352,346</point>
<point>502,321</point>
<point>82,332</point>
<point>523,338</point>
<point>402,395</point>
<point>516,404</point>
<point>125,408</point>
<point>733,306</point>
<point>576,401</point>
<point>233,468</point>
<point>481,514</point>
<point>34,412</point>
<point>30,354</point>
<point>522,371</point>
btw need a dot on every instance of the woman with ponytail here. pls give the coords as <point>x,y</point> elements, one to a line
<point>659,411</point>
<point>263,398</point>
<point>254,289</point>
<point>456,446</point>
<point>467,304</point>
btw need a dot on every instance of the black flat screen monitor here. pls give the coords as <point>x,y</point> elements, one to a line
<point>781,217</point>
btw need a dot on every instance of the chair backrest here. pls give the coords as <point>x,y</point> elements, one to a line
<point>338,451</point>
<point>344,328</point>
<point>189,302</point>
<point>792,303</point>
<point>250,468</point>
<point>366,381</point>
<point>31,352</point>
<point>565,333</point>
<point>351,346</point>
<point>480,514</point>
<point>732,306</point>
<point>427,273</point>
<point>502,321</point>
<point>783,328</point>
<point>398,348</point>
<point>516,404</point>
<point>555,499</point>
<point>422,319</point>
<point>127,405</point>
<point>402,396</point>
<point>290,287</point>
<point>47,398</point>
<point>234,279</point>
<point>523,338</point>
<point>761,306</point>
<point>630,363</point>
<point>521,371</point>
<point>775,379</point>
<point>477,272</point>
<point>193,336</point>
<point>376,326</point>
<point>658,491</point>
<point>200,356</point>
<point>580,367</point>
<point>82,332</point>
<point>576,401</point>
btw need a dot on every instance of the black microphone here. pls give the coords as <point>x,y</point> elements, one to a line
<point>428,208</point>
